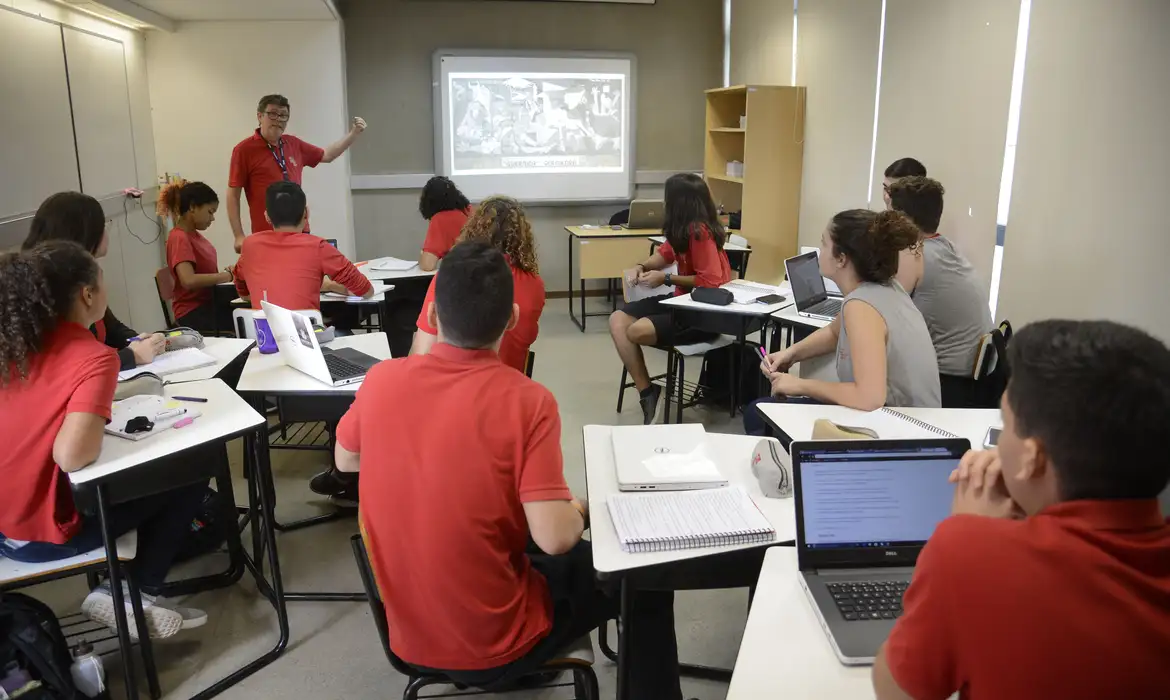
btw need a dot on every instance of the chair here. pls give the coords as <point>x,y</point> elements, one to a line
<point>674,379</point>
<point>242,321</point>
<point>164,282</point>
<point>528,364</point>
<point>578,660</point>
<point>15,575</point>
<point>620,218</point>
<point>991,368</point>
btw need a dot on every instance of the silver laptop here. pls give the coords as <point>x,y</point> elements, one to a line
<point>830,286</point>
<point>299,349</point>
<point>808,288</point>
<point>671,457</point>
<point>864,510</point>
<point>646,213</point>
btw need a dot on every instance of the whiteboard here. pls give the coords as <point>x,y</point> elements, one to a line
<point>37,156</point>
<point>101,112</point>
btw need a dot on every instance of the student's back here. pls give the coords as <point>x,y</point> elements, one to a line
<point>953,301</point>
<point>289,268</point>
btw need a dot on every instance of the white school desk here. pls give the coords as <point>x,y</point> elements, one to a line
<point>789,316</point>
<point>684,301</point>
<point>796,420</point>
<point>224,350</point>
<point>729,246</point>
<point>603,252</point>
<point>269,375</point>
<point>384,275</point>
<point>128,469</point>
<point>784,653</point>
<point>732,453</point>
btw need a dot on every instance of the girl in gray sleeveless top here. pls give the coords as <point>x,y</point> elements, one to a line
<point>885,356</point>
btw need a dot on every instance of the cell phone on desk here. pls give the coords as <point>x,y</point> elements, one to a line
<point>992,438</point>
<point>769,299</point>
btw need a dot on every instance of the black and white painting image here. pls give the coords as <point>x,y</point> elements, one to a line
<point>537,122</point>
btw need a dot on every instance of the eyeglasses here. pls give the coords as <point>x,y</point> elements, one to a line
<point>277,116</point>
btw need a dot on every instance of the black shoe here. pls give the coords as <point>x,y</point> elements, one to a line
<point>649,401</point>
<point>333,483</point>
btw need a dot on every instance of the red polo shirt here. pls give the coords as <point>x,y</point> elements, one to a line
<point>254,168</point>
<point>73,373</point>
<point>192,248</point>
<point>706,261</point>
<point>443,230</point>
<point>1072,603</point>
<point>528,293</point>
<point>290,267</point>
<point>445,475</point>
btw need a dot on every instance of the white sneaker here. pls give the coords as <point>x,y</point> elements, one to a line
<point>162,620</point>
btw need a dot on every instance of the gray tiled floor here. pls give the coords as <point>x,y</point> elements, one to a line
<point>334,650</point>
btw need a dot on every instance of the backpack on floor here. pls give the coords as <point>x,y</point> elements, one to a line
<point>716,380</point>
<point>31,637</point>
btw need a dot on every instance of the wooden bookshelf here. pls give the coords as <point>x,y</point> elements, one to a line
<point>771,147</point>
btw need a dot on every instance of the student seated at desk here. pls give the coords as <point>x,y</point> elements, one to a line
<point>694,240</point>
<point>903,167</point>
<point>287,267</point>
<point>190,256</point>
<point>77,217</point>
<point>58,386</point>
<point>884,353</point>
<point>944,287</point>
<point>446,211</point>
<point>1051,579</point>
<point>461,466</point>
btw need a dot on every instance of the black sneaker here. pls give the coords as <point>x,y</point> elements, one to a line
<point>333,483</point>
<point>649,401</point>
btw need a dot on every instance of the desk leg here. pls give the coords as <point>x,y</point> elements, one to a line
<point>579,322</point>
<point>383,314</point>
<point>115,580</point>
<point>623,665</point>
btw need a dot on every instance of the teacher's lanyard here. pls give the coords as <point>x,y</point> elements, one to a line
<point>279,158</point>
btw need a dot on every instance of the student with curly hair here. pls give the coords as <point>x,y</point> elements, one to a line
<point>446,209</point>
<point>77,217</point>
<point>58,385</point>
<point>884,353</point>
<point>190,256</point>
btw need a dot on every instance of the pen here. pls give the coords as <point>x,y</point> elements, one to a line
<point>169,414</point>
<point>192,399</point>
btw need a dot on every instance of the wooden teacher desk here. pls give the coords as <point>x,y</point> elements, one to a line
<point>603,252</point>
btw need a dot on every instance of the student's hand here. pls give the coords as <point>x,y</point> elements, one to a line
<point>146,349</point>
<point>980,489</point>
<point>230,273</point>
<point>784,384</point>
<point>652,278</point>
<point>239,243</point>
<point>335,287</point>
<point>358,126</point>
<point>635,274</point>
<point>779,361</point>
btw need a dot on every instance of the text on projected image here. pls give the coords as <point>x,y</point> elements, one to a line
<point>865,502</point>
<point>537,122</point>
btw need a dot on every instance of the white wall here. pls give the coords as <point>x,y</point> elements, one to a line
<point>1087,235</point>
<point>205,81</point>
<point>761,42</point>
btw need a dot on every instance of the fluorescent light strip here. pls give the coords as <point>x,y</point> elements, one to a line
<point>795,6</point>
<point>726,43</point>
<point>877,99</point>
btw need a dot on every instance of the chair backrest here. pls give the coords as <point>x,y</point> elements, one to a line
<point>242,321</point>
<point>529,363</point>
<point>164,282</point>
<point>374,596</point>
<point>621,217</point>
<point>991,368</point>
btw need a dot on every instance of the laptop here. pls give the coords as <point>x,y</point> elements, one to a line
<point>864,510</point>
<point>808,288</point>
<point>646,213</point>
<point>671,457</point>
<point>299,348</point>
<point>830,286</point>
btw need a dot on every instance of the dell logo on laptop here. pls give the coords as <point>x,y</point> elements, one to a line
<point>891,553</point>
<point>662,450</point>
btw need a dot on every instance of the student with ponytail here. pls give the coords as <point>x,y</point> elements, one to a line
<point>56,389</point>
<point>884,353</point>
<point>190,256</point>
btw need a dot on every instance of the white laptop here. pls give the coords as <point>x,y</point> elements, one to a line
<point>299,349</point>
<point>669,457</point>
<point>646,213</point>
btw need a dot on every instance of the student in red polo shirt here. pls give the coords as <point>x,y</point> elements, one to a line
<point>446,209</point>
<point>694,240</point>
<point>79,218</point>
<point>58,383</point>
<point>190,256</point>
<point>286,266</point>
<point>461,465</point>
<point>1052,578</point>
<point>270,155</point>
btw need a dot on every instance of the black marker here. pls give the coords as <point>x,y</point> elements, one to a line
<point>192,399</point>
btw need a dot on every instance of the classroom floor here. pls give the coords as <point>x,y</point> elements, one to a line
<point>334,650</point>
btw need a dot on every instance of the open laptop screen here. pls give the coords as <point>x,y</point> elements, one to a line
<point>804,274</point>
<point>884,495</point>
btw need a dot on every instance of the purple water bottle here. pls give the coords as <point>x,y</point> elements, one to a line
<point>265,340</point>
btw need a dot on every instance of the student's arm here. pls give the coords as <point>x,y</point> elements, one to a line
<point>328,285</point>
<point>867,345</point>
<point>343,272</point>
<point>237,178</point>
<point>79,440</point>
<point>241,284</point>
<point>427,335</point>
<point>188,278</point>
<point>334,150</point>
<point>821,342</point>
<point>884,685</point>
<point>348,437</point>
<point>910,266</point>
<point>118,337</point>
<point>439,240</point>
<point>427,262</point>
<point>554,522</point>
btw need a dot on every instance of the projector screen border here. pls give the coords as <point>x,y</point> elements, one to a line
<point>437,108</point>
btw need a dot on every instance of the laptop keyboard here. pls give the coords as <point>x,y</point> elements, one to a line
<point>341,368</point>
<point>869,600</point>
<point>828,307</point>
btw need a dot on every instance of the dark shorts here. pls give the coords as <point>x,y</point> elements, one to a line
<point>669,329</point>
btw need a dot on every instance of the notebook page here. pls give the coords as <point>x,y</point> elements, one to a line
<point>170,362</point>
<point>685,516</point>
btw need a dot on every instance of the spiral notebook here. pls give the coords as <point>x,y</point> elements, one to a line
<point>672,520</point>
<point>917,423</point>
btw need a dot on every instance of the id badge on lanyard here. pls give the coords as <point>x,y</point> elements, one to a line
<point>279,158</point>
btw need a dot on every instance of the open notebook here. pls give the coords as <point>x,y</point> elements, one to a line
<point>670,520</point>
<point>170,362</point>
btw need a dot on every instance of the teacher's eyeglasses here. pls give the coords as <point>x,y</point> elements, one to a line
<point>277,116</point>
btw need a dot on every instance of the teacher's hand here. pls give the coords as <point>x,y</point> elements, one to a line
<point>359,125</point>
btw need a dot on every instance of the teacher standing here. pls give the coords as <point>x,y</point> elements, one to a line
<point>270,155</point>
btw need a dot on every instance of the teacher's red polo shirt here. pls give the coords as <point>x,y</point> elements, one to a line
<point>1071,603</point>
<point>452,445</point>
<point>254,168</point>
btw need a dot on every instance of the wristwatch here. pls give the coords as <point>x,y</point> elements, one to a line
<point>668,278</point>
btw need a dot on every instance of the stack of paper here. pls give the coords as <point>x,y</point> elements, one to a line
<point>389,264</point>
<point>655,522</point>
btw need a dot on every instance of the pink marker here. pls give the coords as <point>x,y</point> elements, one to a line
<point>183,423</point>
<point>763,355</point>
